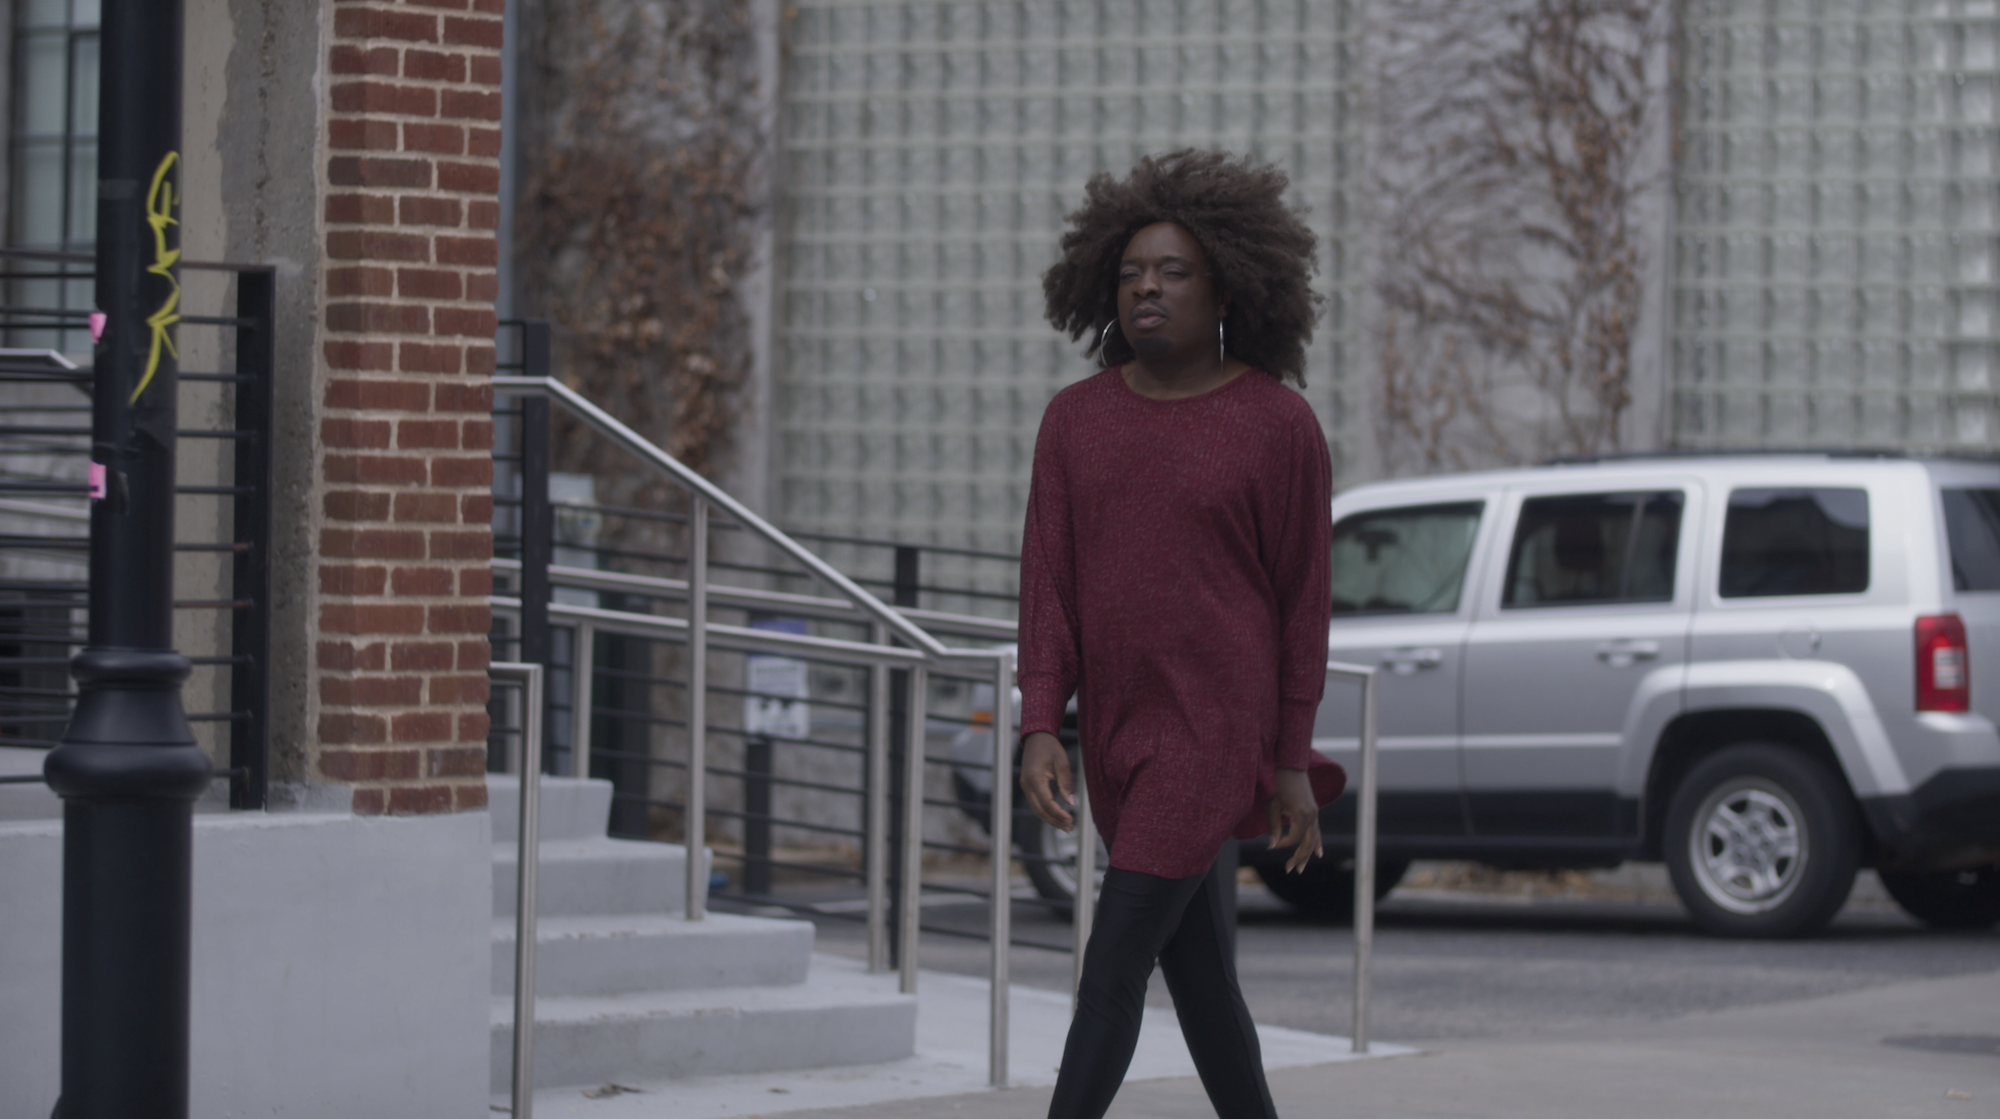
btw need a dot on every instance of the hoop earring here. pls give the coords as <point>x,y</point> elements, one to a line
<point>1103,337</point>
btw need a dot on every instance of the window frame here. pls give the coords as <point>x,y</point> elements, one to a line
<point>1688,556</point>
<point>1503,608</point>
<point>1876,522</point>
<point>1950,551</point>
<point>1488,503</point>
<point>74,34</point>
<point>62,285</point>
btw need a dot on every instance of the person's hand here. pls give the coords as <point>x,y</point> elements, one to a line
<point>1045,762</point>
<point>1295,819</point>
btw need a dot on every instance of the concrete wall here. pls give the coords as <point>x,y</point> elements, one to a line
<point>269,211</point>
<point>340,966</point>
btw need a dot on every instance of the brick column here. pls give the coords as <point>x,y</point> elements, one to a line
<point>403,571</point>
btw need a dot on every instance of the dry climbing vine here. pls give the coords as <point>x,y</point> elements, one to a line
<point>636,223</point>
<point>1515,153</point>
<point>635,229</point>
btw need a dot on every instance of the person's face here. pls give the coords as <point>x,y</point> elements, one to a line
<point>1167,302</point>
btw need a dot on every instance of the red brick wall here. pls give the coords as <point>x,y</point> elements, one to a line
<point>411,178</point>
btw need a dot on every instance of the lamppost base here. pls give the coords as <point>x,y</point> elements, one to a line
<point>128,772</point>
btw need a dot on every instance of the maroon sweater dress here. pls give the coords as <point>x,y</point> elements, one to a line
<point>1174,577</point>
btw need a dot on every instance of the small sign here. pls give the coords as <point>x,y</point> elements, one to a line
<point>99,483</point>
<point>776,703</point>
<point>778,688</point>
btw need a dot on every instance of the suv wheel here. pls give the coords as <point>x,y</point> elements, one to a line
<point>1325,888</point>
<point>1952,899</point>
<point>1762,841</point>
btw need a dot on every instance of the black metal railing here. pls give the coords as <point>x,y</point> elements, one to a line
<point>224,532</point>
<point>789,790</point>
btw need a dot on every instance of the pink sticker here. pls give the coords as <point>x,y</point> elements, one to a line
<point>97,326</point>
<point>98,488</point>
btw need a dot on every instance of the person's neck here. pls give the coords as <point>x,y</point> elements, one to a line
<point>1162,378</point>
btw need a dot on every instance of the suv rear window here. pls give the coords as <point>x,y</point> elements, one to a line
<point>1403,561</point>
<point>1972,523</point>
<point>1802,541</point>
<point>1579,549</point>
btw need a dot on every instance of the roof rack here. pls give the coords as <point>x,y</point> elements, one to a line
<point>1748,452</point>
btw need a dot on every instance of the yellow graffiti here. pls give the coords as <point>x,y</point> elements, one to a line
<point>160,202</point>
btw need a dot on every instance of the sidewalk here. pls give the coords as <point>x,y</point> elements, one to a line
<point>1814,1059</point>
<point>950,1064</point>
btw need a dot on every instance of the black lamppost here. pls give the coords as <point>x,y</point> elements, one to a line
<point>128,768</point>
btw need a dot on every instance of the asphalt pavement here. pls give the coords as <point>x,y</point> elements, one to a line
<point>1921,1048</point>
<point>1503,955</point>
<point>1591,997</point>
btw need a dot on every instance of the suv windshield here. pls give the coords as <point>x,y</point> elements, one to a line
<point>1800,541</point>
<point>1972,522</point>
<point>1403,561</point>
<point>1578,549</point>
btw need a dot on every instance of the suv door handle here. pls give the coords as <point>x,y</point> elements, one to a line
<point>1622,654</point>
<point>1403,662</point>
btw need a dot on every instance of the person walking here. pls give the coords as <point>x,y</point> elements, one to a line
<point>1174,579</point>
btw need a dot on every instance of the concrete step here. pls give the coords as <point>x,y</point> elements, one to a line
<point>596,877</point>
<point>663,1034</point>
<point>570,808</point>
<point>601,956</point>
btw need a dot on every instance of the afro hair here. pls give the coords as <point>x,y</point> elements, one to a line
<point>1260,253</point>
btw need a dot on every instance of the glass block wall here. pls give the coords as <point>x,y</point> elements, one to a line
<point>930,150</point>
<point>1835,243</point>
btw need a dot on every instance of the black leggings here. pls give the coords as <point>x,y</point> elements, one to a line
<point>1188,925</point>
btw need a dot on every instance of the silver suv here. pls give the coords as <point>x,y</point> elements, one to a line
<point>1766,671</point>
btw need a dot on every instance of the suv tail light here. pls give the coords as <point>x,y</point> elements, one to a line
<point>1943,673</point>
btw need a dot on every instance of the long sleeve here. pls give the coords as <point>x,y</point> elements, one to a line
<point>1050,657</point>
<point>1301,576</point>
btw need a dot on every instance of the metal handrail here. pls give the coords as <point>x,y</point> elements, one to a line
<point>46,512</point>
<point>529,839</point>
<point>925,650</point>
<point>1364,844</point>
<point>879,655</point>
<point>1002,862</point>
<point>817,606</point>
<point>699,628</point>
<point>877,809</point>
<point>740,639</point>
<point>632,441</point>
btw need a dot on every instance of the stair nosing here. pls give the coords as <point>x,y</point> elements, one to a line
<point>561,1010</point>
<point>591,926</point>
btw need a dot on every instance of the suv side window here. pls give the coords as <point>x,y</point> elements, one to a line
<point>1403,561</point>
<point>1580,549</point>
<point>1795,541</point>
<point>1972,523</point>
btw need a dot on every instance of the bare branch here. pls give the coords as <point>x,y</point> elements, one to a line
<point>1512,154</point>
